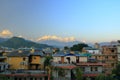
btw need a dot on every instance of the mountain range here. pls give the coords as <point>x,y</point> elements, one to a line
<point>17,42</point>
<point>59,44</point>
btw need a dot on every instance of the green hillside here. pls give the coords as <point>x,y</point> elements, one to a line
<point>16,42</point>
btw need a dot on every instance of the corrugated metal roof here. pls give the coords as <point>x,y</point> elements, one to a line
<point>39,53</point>
<point>19,54</point>
<point>59,54</point>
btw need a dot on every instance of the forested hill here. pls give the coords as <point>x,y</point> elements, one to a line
<point>16,42</point>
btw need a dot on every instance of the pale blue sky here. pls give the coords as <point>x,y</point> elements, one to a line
<point>89,20</point>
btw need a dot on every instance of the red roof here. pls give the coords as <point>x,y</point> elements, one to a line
<point>90,64</point>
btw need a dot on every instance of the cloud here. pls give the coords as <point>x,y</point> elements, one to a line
<point>20,36</point>
<point>63,39</point>
<point>6,33</point>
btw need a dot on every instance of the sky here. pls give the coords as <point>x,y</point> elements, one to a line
<point>64,20</point>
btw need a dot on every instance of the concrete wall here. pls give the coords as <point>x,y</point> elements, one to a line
<point>56,59</point>
<point>82,59</point>
<point>16,63</point>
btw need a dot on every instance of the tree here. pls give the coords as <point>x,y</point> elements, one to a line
<point>100,77</point>
<point>104,77</point>
<point>48,67</point>
<point>78,47</point>
<point>79,74</point>
<point>47,61</point>
<point>66,48</point>
<point>116,71</point>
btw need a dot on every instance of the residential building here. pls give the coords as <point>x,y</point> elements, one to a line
<point>63,71</point>
<point>108,56</point>
<point>36,60</point>
<point>62,57</point>
<point>91,50</point>
<point>118,50</point>
<point>26,60</point>
<point>91,68</point>
<point>18,60</point>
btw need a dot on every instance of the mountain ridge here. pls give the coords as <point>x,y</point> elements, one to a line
<point>17,42</point>
<point>59,44</point>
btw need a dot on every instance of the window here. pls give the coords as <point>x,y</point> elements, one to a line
<point>113,57</point>
<point>24,59</point>
<point>34,57</point>
<point>112,51</point>
<point>91,68</point>
<point>8,78</point>
<point>96,69</point>
<point>112,64</point>
<point>15,78</point>
<point>106,57</point>
<point>31,78</point>
<point>0,68</point>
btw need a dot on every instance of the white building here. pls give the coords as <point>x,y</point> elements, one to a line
<point>91,50</point>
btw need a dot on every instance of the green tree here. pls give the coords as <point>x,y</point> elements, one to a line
<point>116,71</point>
<point>79,74</point>
<point>104,77</point>
<point>66,48</point>
<point>47,61</point>
<point>48,66</point>
<point>78,47</point>
<point>110,77</point>
<point>101,77</point>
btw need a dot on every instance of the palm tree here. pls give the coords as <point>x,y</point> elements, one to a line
<point>79,74</point>
<point>48,67</point>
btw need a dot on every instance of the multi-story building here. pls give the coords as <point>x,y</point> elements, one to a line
<point>108,56</point>
<point>25,65</point>
<point>36,60</point>
<point>118,51</point>
<point>25,60</point>
<point>91,68</point>
<point>18,60</point>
